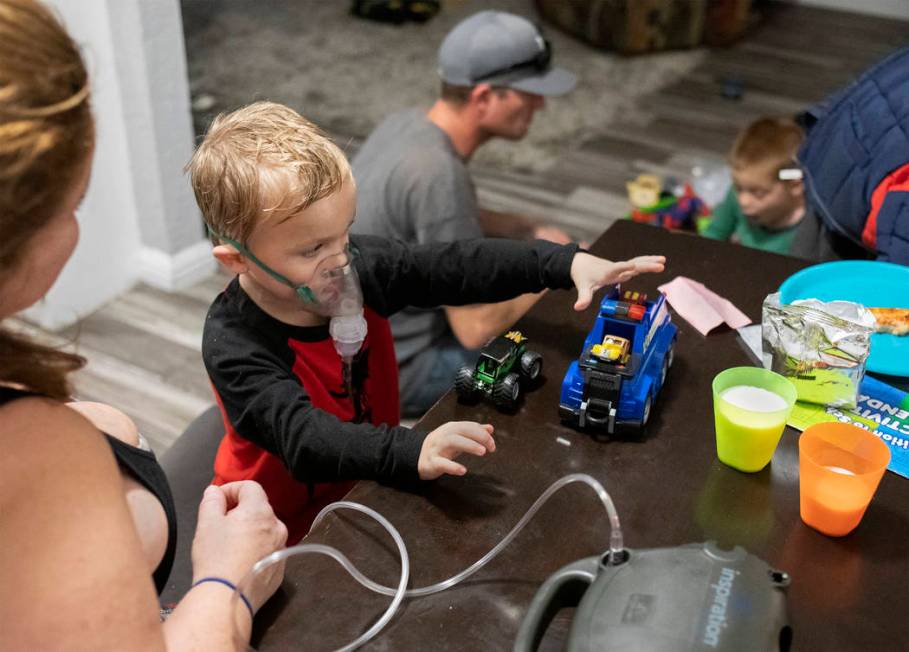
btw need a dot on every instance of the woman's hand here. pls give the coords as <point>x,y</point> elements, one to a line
<point>237,527</point>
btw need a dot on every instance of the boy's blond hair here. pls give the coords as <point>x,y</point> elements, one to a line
<point>768,143</point>
<point>261,160</point>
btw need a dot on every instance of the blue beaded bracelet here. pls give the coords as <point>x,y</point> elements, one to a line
<point>232,586</point>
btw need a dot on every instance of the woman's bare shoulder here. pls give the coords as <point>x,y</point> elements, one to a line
<point>33,409</point>
<point>37,434</point>
<point>68,531</point>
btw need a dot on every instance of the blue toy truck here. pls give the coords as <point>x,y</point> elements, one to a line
<point>623,365</point>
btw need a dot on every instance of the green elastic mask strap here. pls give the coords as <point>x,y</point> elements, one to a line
<point>302,291</point>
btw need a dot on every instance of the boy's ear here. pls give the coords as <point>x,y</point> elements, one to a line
<point>796,188</point>
<point>230,258</point>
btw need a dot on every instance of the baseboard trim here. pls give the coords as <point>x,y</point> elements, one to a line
<point>176,271</point>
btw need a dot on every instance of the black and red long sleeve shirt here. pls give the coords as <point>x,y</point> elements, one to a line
<point>290,422</point>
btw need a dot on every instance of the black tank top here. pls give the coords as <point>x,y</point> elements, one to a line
<point>142,466</point>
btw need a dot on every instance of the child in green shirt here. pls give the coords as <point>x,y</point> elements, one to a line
<point>766,200</point>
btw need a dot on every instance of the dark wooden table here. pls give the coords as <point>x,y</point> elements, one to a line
<point>669,488</point>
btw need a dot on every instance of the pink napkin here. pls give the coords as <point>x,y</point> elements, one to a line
<point>703,309</point>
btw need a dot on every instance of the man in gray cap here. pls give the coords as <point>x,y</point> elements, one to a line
<point>413,184</point>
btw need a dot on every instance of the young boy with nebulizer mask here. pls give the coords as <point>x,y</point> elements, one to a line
<point>298,346</point>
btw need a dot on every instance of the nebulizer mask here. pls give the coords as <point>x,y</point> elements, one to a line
<point>333,291</point>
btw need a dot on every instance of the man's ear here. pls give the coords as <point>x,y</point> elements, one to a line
<point>480,96</point>
<point>230,258</point>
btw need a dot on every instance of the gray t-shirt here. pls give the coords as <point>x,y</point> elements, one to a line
<point>413,186</point>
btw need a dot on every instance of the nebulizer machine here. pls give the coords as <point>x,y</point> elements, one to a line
<point>333,291</point>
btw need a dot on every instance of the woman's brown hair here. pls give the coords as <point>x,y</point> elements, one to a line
<point>46,133</point>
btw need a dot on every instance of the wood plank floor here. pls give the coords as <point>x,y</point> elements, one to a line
<point>143,348</point>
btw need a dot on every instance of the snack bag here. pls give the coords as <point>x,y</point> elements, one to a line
<point>821,347</point>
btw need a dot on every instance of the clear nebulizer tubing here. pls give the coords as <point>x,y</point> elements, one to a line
<point>616,551</point>
<point>615,539</point>
<point>337,555</point>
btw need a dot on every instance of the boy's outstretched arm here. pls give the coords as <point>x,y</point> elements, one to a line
<point>395,275</point>
<point>590,273</point>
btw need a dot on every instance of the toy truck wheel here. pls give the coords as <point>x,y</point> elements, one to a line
<point>507,392</point>
<point>531,364</point>
<point>648,403</point>
<point>464,385</point>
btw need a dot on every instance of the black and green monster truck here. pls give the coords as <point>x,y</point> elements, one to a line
<point>502,365</point>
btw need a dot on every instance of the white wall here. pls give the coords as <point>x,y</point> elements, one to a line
<point>888,8</point>
<point>138,220</point>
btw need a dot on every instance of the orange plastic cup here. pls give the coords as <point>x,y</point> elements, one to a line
<point>840,466</point>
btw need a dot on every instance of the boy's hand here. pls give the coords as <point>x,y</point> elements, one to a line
<point>447,442</point>
<point>590,273</point>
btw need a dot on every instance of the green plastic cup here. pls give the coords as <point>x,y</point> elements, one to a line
<point>749,429</point>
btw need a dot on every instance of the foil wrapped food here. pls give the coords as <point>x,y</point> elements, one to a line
<point>820,346</point>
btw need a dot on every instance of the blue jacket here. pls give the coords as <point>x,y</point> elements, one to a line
<point>857,138</point>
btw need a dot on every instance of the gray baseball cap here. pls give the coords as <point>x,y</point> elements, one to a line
<point>501,49</point>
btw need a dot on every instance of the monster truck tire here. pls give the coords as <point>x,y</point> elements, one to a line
<point>464,385</point>
<point>531,364</point>
<point>506,393</point>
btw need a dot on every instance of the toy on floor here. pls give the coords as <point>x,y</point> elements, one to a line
<point>653,203</point>
<point>503,364</point>
<point>623,365</point>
